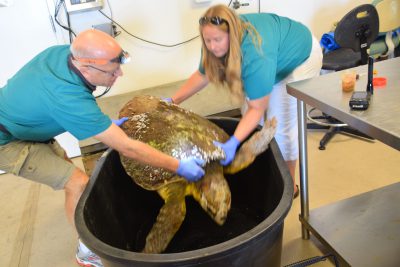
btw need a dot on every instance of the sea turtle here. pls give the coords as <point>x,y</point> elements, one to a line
<point>181,134</point>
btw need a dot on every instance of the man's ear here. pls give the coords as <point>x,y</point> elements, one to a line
<point>78,66</point>
<point>84,70</point>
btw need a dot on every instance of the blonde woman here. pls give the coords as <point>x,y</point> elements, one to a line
<point>255,55</point>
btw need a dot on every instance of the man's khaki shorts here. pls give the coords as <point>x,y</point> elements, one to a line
<point>40,162</point>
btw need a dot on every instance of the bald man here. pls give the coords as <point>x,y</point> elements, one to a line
<point>52,94</point>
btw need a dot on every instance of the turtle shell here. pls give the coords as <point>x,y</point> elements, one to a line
<point>171,129</point>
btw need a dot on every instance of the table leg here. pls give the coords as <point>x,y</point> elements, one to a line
<point>303,165</point>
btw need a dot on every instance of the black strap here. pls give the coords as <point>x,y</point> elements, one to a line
<point>3,129</point>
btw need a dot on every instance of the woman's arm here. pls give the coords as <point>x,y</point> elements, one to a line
<point>195,83</point>
<point>249,121</point>
<point>256,110</point>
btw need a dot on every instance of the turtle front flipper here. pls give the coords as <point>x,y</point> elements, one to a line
<point>169,219</point>
<point>254,146</point>
<point>213,193</point>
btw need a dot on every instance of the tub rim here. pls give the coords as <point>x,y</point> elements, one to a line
<point>275,219</point>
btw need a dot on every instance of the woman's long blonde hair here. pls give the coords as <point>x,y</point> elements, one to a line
<point>227,72</point>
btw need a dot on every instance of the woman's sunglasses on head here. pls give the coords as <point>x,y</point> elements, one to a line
<point>213,20</point>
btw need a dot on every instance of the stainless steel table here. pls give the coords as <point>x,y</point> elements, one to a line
<point>363,230</point>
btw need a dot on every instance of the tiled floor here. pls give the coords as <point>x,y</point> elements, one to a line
<point>34,231</point>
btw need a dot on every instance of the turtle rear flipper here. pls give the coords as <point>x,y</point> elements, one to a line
<point>254,146</point>
<point>169,218</point>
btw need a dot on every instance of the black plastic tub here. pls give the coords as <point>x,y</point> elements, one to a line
<point>114,216</point>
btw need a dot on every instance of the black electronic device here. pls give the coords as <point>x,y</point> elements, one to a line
<point>360,100</point>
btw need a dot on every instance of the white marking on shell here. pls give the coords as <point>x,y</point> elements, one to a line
<point>141,123</point>
<point>182,153</point>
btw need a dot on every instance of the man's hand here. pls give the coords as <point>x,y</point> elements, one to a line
<point>191,169</point>
<point>120,121</point>
<point>229,147</point>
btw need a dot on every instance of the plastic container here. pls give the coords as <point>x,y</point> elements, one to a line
<point>114,216</point>
<point>379,81</point>
<point>349,81</point>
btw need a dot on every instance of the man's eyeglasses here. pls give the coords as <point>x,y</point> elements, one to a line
<point>122,58</point>
<point>111,73</point>
<point>213,20</point>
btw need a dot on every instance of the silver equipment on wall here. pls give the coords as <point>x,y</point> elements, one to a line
<point>83,5</point>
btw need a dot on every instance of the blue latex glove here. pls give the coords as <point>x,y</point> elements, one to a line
<point>120,121</point>
<point>191,169</point>
<point>168,100</point>
<point>229,147</point>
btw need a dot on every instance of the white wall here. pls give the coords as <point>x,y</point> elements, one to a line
<point>25,30</point>
<point>318,15</point>
<point>166,22</point>
<point>174,21</point>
